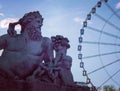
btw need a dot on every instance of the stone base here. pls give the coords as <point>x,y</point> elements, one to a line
<point>8,85</point>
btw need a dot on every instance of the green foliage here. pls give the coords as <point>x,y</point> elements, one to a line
<point>109,88</point>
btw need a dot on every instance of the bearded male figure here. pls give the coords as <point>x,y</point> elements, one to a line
<point>22,53</point>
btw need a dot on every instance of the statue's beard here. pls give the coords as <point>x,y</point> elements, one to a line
<point>34,33</point>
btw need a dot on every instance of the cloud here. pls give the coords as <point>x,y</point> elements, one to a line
<point>1,14</point>
<point>5,22</point>
<point>78,20</point>
<point>118,5</point>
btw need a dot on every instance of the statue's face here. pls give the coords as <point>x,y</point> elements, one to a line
<point>36,23</point>
<point>34,29</point>
<point>61,49</point>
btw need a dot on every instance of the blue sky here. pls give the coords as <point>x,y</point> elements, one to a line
<point>65,17</point>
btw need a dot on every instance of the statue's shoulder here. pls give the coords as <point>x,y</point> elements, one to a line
<point>5,36</point>
<point>46,40</point>
<point>67,57</point>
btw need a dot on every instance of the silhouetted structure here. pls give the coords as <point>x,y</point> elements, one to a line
<point>27,62</point>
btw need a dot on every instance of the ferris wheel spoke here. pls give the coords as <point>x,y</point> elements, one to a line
<point>103,54</point>
<point>113,43</point>
<point>111,77</point>
<point>108,22</point>
<point>104,66</point>
<point>100,43</point>
<point>103,32</point>
<point>110,8</point>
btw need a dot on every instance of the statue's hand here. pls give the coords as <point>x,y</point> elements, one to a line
<point>11,29</point>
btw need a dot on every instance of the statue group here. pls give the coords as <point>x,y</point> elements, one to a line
<point>30,56</point>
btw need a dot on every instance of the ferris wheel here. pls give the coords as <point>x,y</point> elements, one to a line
<point>99,44</point>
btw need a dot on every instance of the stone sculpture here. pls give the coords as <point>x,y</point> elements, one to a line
<point>59,71</point>
<point>63,62</point>
<point>22,53</point>
<point>30,54</point>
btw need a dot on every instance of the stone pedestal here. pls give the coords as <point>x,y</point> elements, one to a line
<point>8,85</point>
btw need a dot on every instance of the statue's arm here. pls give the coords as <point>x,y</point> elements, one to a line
<point>11,29</point>
<point>3,42</point>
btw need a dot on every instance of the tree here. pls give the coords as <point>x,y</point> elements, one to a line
<point>109,88</point>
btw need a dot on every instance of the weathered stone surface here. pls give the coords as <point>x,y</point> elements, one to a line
<point>27,62</point>
<point>22,53</point>
<point>8,85</point>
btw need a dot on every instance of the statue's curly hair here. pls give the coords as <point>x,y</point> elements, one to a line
<point>28,17</point>
<point>60,40</point>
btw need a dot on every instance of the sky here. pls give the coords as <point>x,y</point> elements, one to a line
<point>65,17</point>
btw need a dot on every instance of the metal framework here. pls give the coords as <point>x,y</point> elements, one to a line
<point>85,26</point>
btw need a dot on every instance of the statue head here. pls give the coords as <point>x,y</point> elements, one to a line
<point>28,18</point>
<point>60,43</point>
<point>32,22</point>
